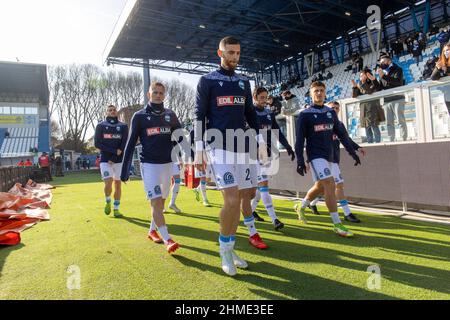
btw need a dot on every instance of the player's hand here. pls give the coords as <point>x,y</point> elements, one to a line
<point>370,76</point>
<point>119,152</point>
<point>301,169</point>
<point>110,162</point>
<point>439,65</point>
<point>200,161</point>
<point>291,153</point>
<point>362,151</point>
<point>263,157</point>
<point>354,85</point>
<point>356,158</point>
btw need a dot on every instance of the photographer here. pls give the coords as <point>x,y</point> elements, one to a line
<point>391,76</point>
<point>371,112</point>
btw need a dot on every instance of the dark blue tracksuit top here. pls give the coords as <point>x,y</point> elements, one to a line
<point>111,135</point>
<point>317,124</point>
<point>337,143</point>
<point>267,121</point>
<point>153,125</point>
<point>224,101</point>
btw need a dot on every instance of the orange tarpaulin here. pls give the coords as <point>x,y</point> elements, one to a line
<point>21,208</point>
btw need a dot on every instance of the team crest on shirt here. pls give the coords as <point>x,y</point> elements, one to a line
<point>107,128</point>
<point>118,128</point>
<point>241,84</point>
<point>315,116</point>
<point>167,117</point>
<point>157,190</point>
<point>268,117</point>
<point>221,83</point>
<point>228,178</point>
<point>329,115</point>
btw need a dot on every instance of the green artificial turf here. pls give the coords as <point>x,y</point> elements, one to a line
<point>117,261</point>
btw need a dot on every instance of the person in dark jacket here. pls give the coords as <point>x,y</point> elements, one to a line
<point>391,76</point>
<point>371,112</point>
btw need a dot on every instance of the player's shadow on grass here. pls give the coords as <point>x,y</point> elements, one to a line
<point>398,271</point>
<point>288,283</point>
<point>5,251</point>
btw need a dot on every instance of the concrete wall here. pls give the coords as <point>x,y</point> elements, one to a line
<point>416,173</point>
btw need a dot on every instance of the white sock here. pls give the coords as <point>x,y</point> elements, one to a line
<point>152,226</point>
<point>335,217</point>
<point>250,223</point>
<point>164,233</point>
<point>225,243</point>
<point>314,202</point>
<point>202,187</point>
<point>267,200</point>
<point>175,189</point>
<point>116,204</point>
<point>256,199</point>
<point>108,199</point>
<point>345,207</point>
<point>305,203</point>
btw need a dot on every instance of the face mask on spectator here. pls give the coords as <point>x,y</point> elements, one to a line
<point>384,66</point>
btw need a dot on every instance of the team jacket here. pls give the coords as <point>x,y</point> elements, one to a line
<point>267,121</point>
<point>337,142</point>
<point>111,135</point>
<point>153,125</point>
<point>224,101</point>
<point>316,125</point>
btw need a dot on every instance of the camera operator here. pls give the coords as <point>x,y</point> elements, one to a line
<point>391,76</point>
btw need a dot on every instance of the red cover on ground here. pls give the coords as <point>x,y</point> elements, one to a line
<point>21,208</point>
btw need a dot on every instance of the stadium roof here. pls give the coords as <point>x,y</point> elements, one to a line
<point>183,35</point>
<point>23,82</point>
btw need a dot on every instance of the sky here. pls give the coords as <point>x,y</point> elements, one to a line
<point>62,32</point>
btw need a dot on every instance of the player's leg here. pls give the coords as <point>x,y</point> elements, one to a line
<point>340,196</point>
<point>107,177</point>
<point>156,180</point>
<point>225,177</point>
<point>268,203</point>
<point>330,200</point>
<point>175,187</point>
<point>255,202</point>
<point>117,188</point>
<point>245,196</point>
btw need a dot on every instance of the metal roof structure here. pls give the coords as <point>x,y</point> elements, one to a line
<point>23,82</point>
<point>183,35</point>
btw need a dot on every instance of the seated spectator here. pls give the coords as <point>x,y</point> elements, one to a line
<point>371,112</point>
<point>443,37</point>
<point>442,68</point>
<point>434,30</point>
<point>28,163</point>
<point>320,77</point>
<point>291,103</point>
<point>329,75</point>
<point>21,163</point>
<point>429,67</point>
<point>274,104</point>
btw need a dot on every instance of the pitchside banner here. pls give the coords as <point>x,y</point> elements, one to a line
<point>18,121</point>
